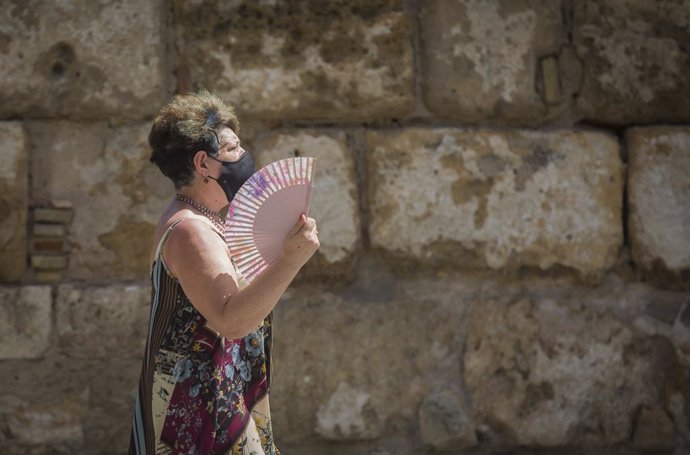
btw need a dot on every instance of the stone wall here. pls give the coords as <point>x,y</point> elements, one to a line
<point>503,197</point>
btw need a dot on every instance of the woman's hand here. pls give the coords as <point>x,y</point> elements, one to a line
<point>301,242</point>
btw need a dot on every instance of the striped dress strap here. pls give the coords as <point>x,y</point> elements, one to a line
<point>165,236</point>
<point>159,248</point>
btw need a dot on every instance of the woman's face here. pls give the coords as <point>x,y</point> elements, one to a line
<point>230,149</point>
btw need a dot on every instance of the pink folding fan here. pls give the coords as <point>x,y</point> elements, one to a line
<point>264,210</point>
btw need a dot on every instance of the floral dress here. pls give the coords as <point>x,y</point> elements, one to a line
<point>200,393</point>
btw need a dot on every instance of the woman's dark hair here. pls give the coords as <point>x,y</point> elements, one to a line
<point>187,124</point>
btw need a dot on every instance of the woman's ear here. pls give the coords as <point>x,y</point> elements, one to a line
<point>199,161</point>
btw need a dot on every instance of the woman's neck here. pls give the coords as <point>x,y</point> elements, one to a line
<point>212,198</point>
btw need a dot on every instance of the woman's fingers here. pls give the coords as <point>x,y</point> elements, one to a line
<point>310,224</point>
<point>298,226</point>
<point>303,240</point>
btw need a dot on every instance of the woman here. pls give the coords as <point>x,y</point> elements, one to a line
<point>206,370</point>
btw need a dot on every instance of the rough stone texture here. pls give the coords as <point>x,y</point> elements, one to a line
<point>347,60</point>
<point>25,321</point>
<point>497,199</point>
<point>344,415</point>
<point>335,201</point>
<point>659,197</point>
<point>71,405</point>
<point>117,195</point>
<point>540,363</point>
<point>14,201</point>
<point>480,59</point>
<point>112,392</point>
<point>664,307</point>
<point>102,322</point>
<point>356,366</point>
<point>36,427</point>
<point>105,59</point>
<point>554,373</point>
<point>635,59</point>
<point>653,429</point>
<point>444,422</point>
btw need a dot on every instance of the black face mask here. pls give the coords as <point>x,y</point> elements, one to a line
<point>234,174</point>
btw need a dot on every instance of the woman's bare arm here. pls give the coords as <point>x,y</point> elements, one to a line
<point>199,259</point>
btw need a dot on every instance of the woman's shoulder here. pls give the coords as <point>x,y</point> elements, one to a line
<point>184,231</point>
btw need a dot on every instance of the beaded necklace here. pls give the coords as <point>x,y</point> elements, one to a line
<point>214,217</point>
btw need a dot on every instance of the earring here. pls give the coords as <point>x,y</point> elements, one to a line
<point>205,178</point>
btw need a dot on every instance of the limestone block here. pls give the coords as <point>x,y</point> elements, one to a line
<point>14,201</point>
<point>25,321</point>
<point>387,356</point>
<point>102,322</point>
<point>659,197</point>
<point>480,59</point>
<point>59,406</point>
<point>117,195</point>
<point>298,59</point>
<point>497,199</point>
<point>105,59</point>
<point>635,60</point>
<point>57,426</point>
<point>108,419</point>
<point>548,373</point>
<point>335,203</point>
<point>445,423</point>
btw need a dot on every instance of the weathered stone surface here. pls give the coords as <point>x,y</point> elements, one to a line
<point>659,197</point>
<point>14,201</point>
<point>50,215</point>
<point>79,69</point>
<point>497,199</point>
<point>480,59</point>
<point>117,195</point>
<point>653,429</point>
<point>80,405</point>
<point>108,419</point>
<point>665,306</point>
<point>635,58</point>
<point>102,322</point>
<point>335,203</point>
<point>347,60</point>
<point>45,276</point>
<point>36,427</point>
<point>344,415</point>
<point>555,373</point>
<point>25,321</point>
<point>48,230</point>
<point>386,357</point>
<point>48,262</point>
<point>444,422</point>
